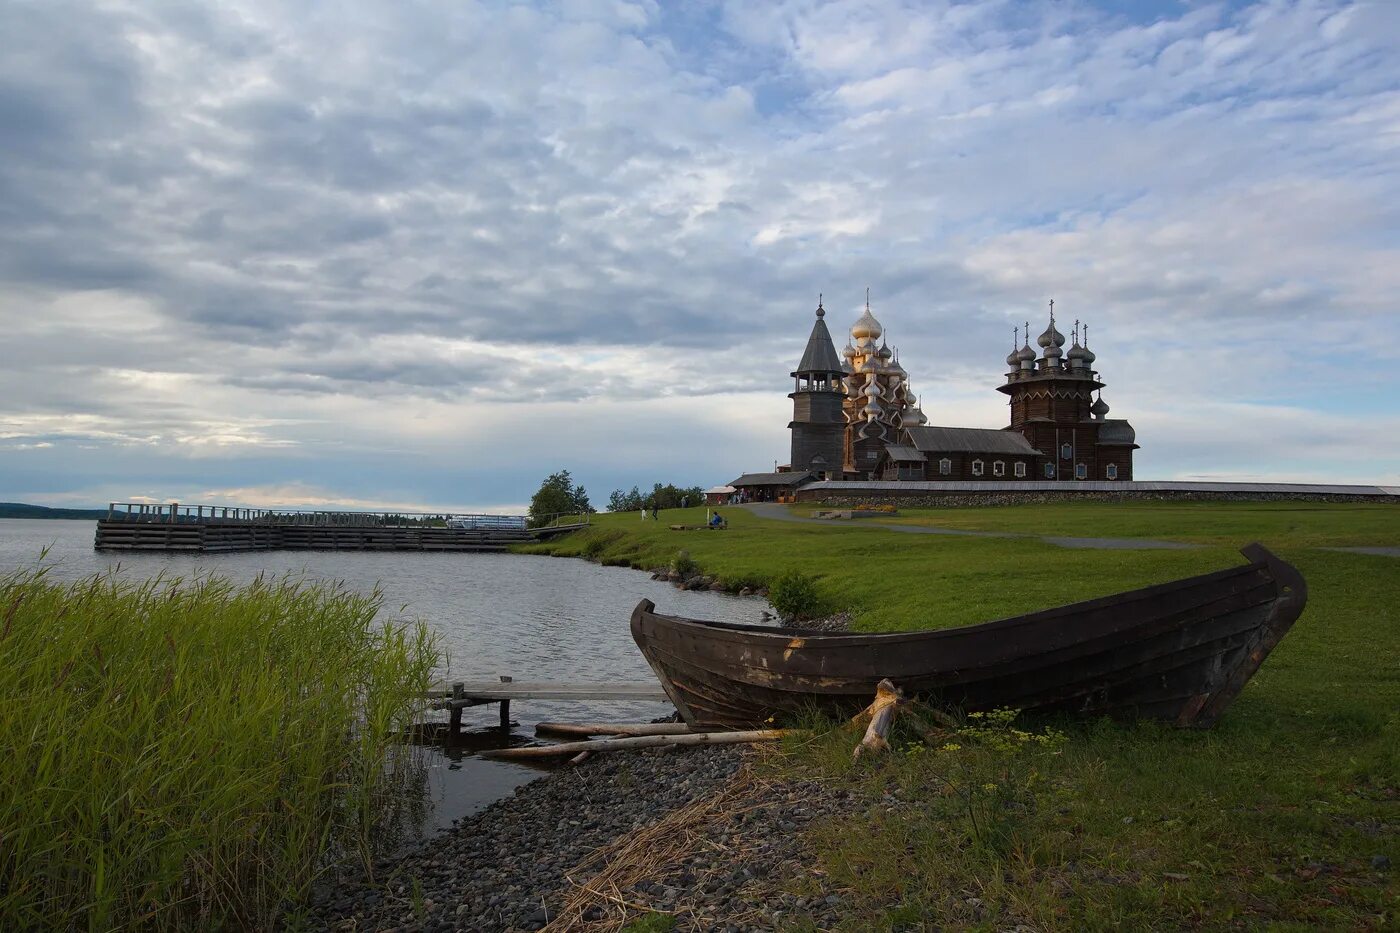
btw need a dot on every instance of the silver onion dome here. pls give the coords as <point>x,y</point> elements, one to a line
<point>1051,337</point>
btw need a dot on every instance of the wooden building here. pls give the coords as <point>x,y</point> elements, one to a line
<point>770,487</point>
<point>858,410</point>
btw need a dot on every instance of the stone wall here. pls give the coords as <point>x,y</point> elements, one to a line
<point>920,499</point>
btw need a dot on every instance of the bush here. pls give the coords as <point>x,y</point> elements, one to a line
<point>794,594</point>
<point>684,565</point>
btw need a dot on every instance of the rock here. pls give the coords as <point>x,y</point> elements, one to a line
<point>745,591</point>
<point>1380,862</point>
<point>717,587</point>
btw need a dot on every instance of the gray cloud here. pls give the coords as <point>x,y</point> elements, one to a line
<point>212,217</point>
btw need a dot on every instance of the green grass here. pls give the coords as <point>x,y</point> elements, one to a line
<point>1269,820</point>
<point>1292,524</point>
<point>191,754</point>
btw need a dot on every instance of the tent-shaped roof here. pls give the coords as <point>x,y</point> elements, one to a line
<point>820,355</point>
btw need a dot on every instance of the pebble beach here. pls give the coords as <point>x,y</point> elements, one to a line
<point>694,833</point>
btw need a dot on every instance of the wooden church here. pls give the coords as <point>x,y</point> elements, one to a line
<point>855,416</point>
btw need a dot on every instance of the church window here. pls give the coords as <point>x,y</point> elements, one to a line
<point>1049,471</point>
<point>998,468</point>
<point>1066,452</point>
<point>945,466</point>
<point>977,468</point>
<point>1020,469</point>
<point>1111,471</point>
<point>1081,471</point>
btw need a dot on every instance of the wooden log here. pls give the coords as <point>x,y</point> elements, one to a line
<point>633,742</point>
<point>613,728</point>
<point>881,713</point>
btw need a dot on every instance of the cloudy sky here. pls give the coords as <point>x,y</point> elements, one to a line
<point>420,254</point>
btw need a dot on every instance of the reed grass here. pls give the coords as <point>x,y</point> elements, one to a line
<point>192,753</point>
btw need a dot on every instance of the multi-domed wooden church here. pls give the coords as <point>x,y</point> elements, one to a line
<point>855,416</point>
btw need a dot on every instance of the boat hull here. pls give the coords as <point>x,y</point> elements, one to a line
<point>1178,652</point>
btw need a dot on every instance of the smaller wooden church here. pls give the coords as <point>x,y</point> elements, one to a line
<point>855,416</point>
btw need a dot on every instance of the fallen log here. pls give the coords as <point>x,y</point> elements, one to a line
<point>613,728</point>
<point>888,697</point>
<point>641,741</point>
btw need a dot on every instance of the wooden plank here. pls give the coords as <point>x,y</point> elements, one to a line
<point>527,690</point>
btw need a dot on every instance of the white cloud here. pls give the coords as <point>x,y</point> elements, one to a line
<point>388,252</point>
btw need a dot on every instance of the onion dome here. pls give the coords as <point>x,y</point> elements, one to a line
<point>885,352</point>
<point>1099,408</point>
<point>1076,354</point>
<point>1051,338</point>
<point>1025,355</point>
<point>1088,357</point>
<point>849,352</point>
<point>866,326</point>
<point>913,417</point>
<point>1013,358</point>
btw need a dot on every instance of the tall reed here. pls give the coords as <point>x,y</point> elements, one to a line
<point>191,753</point>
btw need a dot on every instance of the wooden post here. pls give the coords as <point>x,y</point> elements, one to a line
<point>455,722</point>
<point>505,708</point>
<point>174,509</point>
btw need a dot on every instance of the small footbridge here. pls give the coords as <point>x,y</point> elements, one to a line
<point>172,526</point>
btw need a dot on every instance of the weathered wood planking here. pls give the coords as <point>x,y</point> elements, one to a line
<point>490,691</point>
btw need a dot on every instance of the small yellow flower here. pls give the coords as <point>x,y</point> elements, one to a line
<point>989,787</point>
<point>951,747</point>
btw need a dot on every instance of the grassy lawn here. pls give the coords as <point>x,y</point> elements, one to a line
<point>1296,524</point>
<point>1272,819</point>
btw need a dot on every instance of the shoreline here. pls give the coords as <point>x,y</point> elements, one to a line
<point>527,860</point>
<point>705,836</point>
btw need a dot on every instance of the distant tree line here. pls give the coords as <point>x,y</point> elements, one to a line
<point>557,495</point>
<point>662,497</point>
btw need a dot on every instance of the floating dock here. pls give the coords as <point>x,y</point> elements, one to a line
<point>206,528</point>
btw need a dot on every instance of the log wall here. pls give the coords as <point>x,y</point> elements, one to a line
<point>117,535</point>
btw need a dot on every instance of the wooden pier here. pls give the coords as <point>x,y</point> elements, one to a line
<point>133,526</point>
<point>459,695</point>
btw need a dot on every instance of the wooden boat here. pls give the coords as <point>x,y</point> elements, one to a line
<point>1179,652</point>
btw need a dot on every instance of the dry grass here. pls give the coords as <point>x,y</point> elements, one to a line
<point>602,879</point>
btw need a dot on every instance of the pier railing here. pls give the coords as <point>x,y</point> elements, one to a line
<point>175,513</point>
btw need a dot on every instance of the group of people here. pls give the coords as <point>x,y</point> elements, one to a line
<point>714,519</point>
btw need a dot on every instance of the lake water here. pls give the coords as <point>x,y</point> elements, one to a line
<point>532,618</point>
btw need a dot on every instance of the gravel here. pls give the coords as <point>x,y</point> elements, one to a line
<point>504,868</point>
